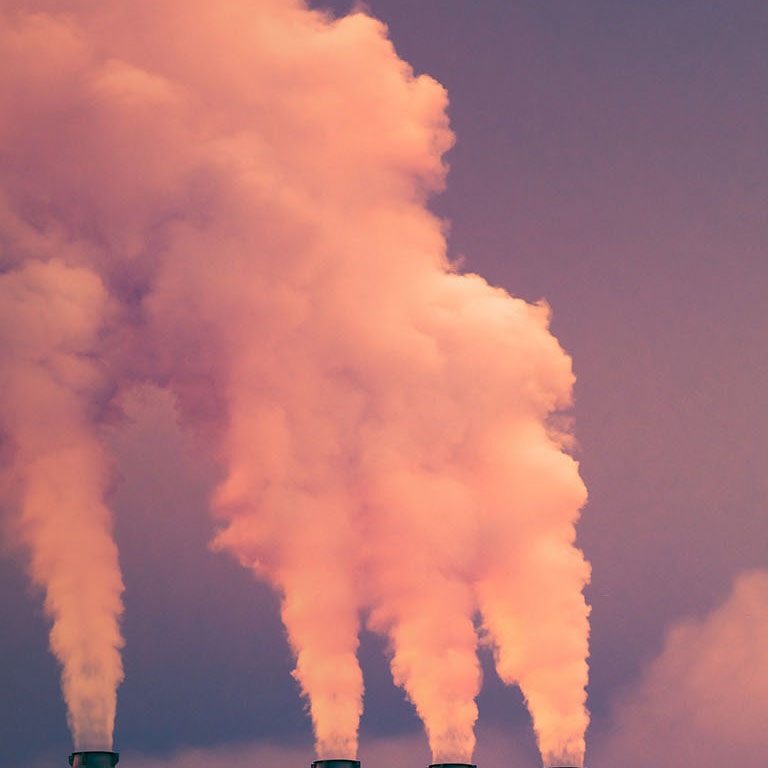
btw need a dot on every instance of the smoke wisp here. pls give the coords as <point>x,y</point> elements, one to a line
<point>248,180</point>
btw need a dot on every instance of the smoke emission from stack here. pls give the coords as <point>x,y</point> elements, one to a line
<point>55,479</point>
<point>384,422</point>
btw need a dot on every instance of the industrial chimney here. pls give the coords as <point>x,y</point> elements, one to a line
<point>452,765</point>
<point>336,764</point>
<point>93,759</point>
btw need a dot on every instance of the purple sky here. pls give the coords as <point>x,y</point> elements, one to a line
<point>610,158</point>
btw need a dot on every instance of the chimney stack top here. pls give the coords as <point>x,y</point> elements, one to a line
<point>337,763</point>
<point>452,765</point>
<point>94,759</point>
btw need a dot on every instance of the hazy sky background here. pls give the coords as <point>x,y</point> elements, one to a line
<point>611,159</point>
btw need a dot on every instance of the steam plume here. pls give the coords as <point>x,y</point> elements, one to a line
<point>702,700</point>
<point>50,316</point>
<point>249,179</point>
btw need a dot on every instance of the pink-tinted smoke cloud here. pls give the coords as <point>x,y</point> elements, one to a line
<point>703,700</point>
<point>55,478</point>
<point>249,180</point>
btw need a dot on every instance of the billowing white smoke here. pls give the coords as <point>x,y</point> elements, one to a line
<point>249,179</point>
<point>50,318</point>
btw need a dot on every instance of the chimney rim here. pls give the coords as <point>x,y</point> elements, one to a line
<point>114,757</point>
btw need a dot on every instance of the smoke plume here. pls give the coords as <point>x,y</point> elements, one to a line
<point>249,181</point>
<point>50,316</point>
<point>703,700</point>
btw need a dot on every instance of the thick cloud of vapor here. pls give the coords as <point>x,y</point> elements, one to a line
<point>248,179</point>
<point>55,476</point>
<point>703,700</point>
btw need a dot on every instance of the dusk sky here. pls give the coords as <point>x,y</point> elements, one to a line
<point>610,159</point>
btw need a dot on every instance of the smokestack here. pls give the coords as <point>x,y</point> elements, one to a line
<point>452,765</point>
<point>336,764</point>
<point>94,759</point>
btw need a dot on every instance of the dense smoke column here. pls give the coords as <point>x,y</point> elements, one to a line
<point>251,179</point>
<point>476,502</point>
<point>51,385</point>
<point>299,326</point>
<point>323,633</point>
<point>551,673</point>
<point>433,643</point>
<point>530,584</point>
<point>529,589</point>
<point>288,524</point>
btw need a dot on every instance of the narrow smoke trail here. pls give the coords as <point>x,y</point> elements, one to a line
<point>50,317</point>
<point>250,179</point>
